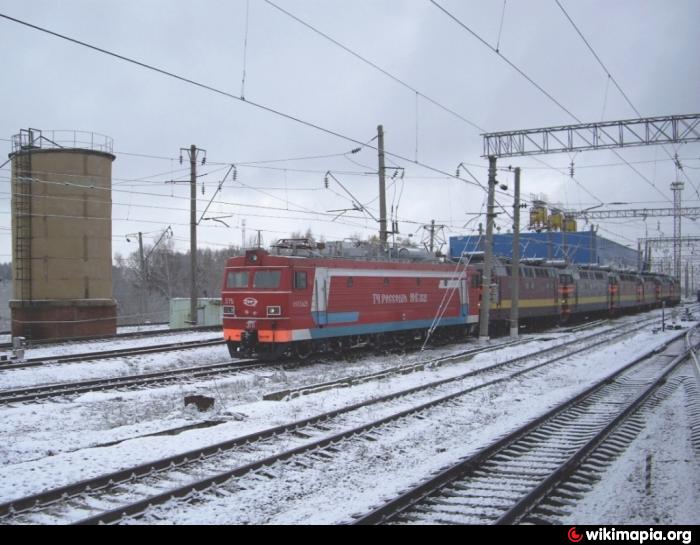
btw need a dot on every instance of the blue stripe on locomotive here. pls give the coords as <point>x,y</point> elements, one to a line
<point>383,327</point>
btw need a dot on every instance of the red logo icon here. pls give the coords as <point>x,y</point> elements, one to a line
<point>574,536</point>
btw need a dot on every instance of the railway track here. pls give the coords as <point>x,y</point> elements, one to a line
<point>130,335</point>
<point>161,378</point>
<point>131,491</point>
<point>111,354</point>
<point>460,357</point>
<point>504,482</point>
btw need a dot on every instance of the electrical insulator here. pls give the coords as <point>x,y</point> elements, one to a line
<point>202,188</point>
<point>571,169</point>
<point>181,158</point>
<point>204,160</point>
<point>325,182</point>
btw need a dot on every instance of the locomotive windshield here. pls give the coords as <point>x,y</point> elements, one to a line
<point>267,279</point>
<point>237,279</point>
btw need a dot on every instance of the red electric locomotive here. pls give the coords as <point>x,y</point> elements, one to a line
<point>282,304</point>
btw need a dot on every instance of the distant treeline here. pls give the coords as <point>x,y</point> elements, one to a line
<point>146,297</point>
<point>142,298</point>
<point>5,272</point>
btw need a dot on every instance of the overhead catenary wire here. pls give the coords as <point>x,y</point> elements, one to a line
<point>612,78</point>
<point>310,212</point>
<point>447,176</point>
<point>222,93</point>
<point>500,27</point>
<point>375,66</point>
<point>245,47</point>
<point>539,87</point>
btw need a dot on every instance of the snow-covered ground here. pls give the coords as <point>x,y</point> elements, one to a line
<point>663,453</point>
<point>100,345</point>
<point>56,442</point>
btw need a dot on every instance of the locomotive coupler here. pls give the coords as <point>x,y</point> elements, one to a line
<point>249,338</point>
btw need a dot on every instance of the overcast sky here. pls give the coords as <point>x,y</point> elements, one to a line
<point>650,47</point>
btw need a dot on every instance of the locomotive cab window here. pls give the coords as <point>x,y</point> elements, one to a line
<point>299,280</point>
<point>236,279</point>
<point>267,279</point>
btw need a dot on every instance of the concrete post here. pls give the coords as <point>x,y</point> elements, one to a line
<point>484,311</point>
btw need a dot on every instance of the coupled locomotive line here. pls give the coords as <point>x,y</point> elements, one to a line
<point>292,431</point>
<point>503,482</point>
<point>130,334</point>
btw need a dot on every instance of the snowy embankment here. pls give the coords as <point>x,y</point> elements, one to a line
<point>54,443</point>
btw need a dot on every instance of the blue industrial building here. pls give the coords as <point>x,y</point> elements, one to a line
<point>577,247</point>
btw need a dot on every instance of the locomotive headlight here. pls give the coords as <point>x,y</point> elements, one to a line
<point>229,311</point>
<point>274,311</point>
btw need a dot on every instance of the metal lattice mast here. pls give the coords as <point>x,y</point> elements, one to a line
<point>677,187</point>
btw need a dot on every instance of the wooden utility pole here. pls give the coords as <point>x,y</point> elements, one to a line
<point>484,311</point>
<point>515,261</point>
<point>383,238</point>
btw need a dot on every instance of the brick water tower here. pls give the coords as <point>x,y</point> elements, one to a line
<point>61,235</point>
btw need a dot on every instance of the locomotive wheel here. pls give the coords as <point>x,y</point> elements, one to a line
<point>303,350</point>
<point>400,343</point>
<point>379,343</point>
<point>401,340</point>
<point>337,347</point>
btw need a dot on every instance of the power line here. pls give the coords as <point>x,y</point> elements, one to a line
<point>605,68</point>
<point>611,77</point>
<point>375,66</point>
<point>220,202</point>
<point>497,52</point>
<point>220,92</point>
<point>539,87</point>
